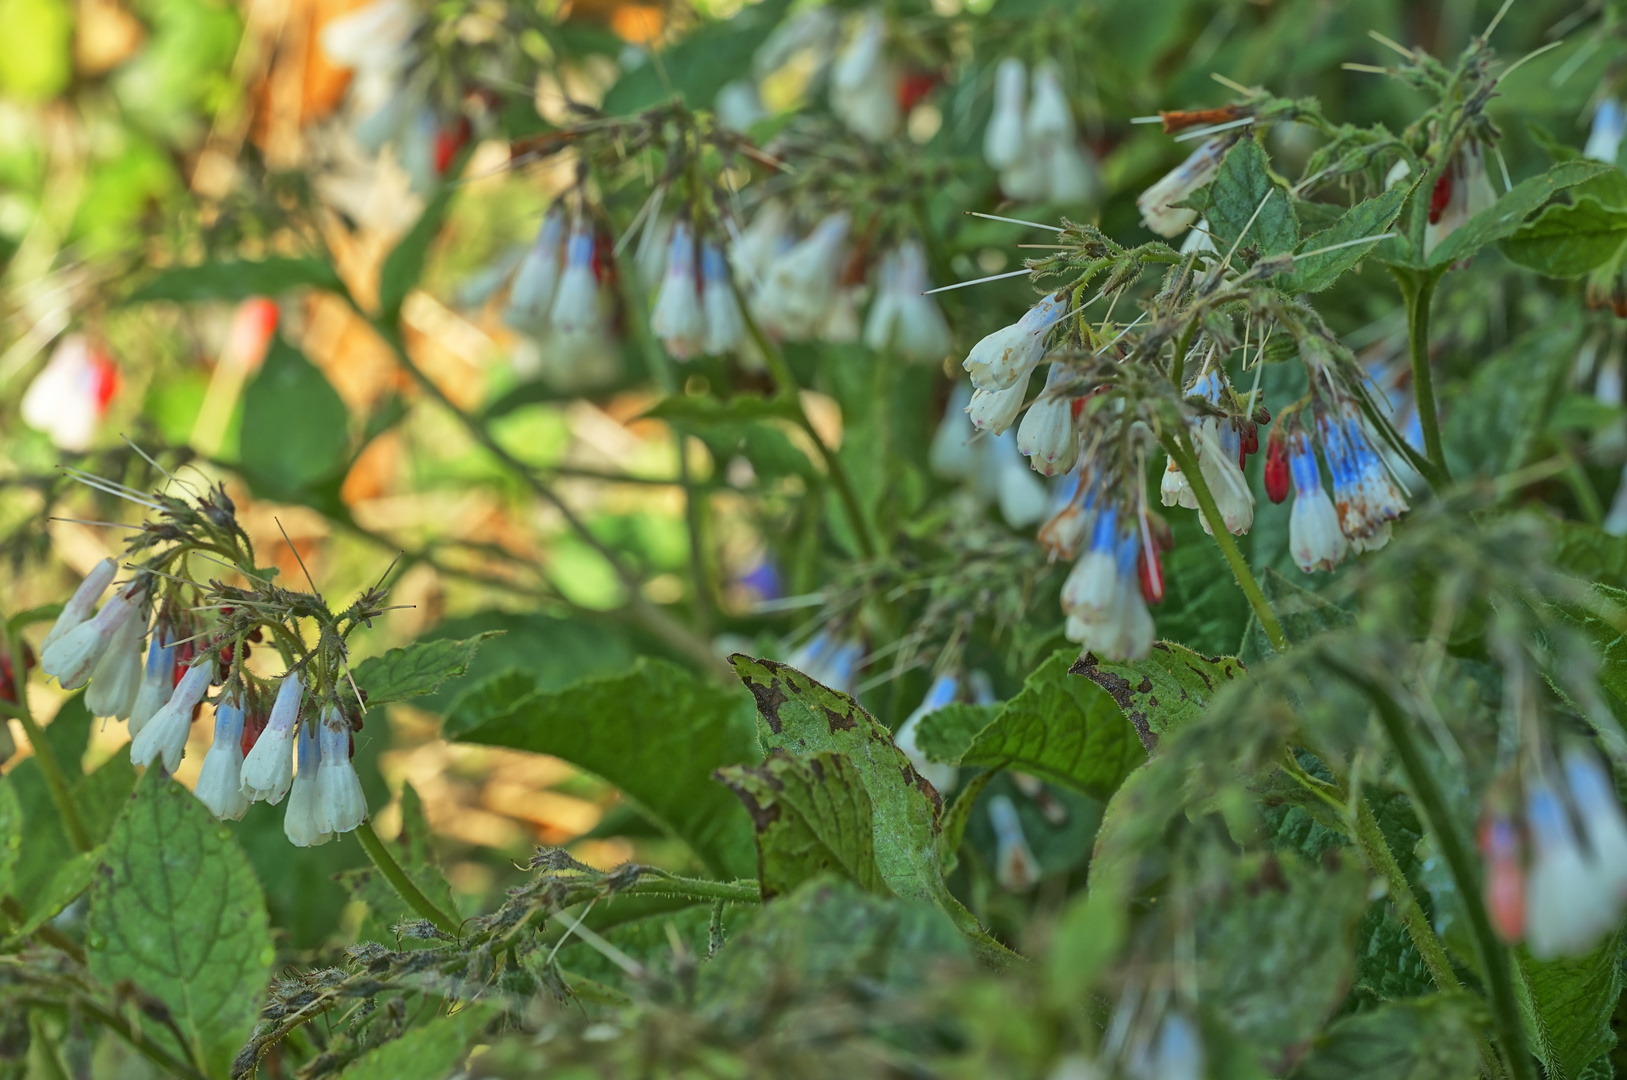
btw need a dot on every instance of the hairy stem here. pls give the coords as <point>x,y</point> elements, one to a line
<point>1418,290</point>
<point>1186,460</point>
<point>737,892</point>
<point>398,879</point>
<point>1432,806</point>
<point>786,380</point>
<point>44,753</point>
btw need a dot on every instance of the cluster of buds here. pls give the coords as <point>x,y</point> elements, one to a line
<point>1560,882</point>
<point>813,287</point>
<point>70,395</point>
<point>147,657</point>
<point>1119,570</point>
<point>1031,138</point>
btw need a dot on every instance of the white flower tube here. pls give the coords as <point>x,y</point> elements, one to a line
<point>220,785</point>
<point>1603,824</point>
<point>1233,498</point>
<point>1009,353</point>
<point>164,736</point>
<point>918,331</point>
<point>532,295</point>
<point>942,777</point>
<point>952,456</point>
<point>678,319</point>
<point>269,767</point>
<point>863,84</point>
<point>116,679</point>
<point>1566,910</point>
<point>996,410</point>
<point>157,680</point>
<point>576,301</point>
<point>304,822</point>
<point>1003,142</point>
<point>1314,536</point>
<point>760,243</point>
<point>70,394</point>
<point>1609,127</point>
<point>1157,204</point>
<point>73,656</point>
<point>800,283</point>
<point>1047,436</point>
<point>725,323</point>
<point>83,601</point>
<point>338,787</point>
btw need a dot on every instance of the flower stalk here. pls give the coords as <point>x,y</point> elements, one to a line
<point>403,885</point>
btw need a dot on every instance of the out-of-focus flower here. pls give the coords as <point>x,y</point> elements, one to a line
<point>70,395</point>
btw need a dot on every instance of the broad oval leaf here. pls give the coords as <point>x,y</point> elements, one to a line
<point>1568,241</point>
<point>1367,220</point>
<point>176,910</point>
<point>1568,1004</point>
<point>1431,1038</point>
<point>656,732</point>
<point>1249,208</point>
<point>295,428</point>
<point>416,669</point>
<point>1162,692</point>
<point>812,817</point>
<point>1505,216</point>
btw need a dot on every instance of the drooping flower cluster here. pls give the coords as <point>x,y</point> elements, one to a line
<point>696,310</point>
<point>557,297</point>
<point>1559,883</point>
<point>146,657</point>
<point>1118,572</point>
<point>1001,363</point>
<point>1032,140</point>
<point>1223,440</point>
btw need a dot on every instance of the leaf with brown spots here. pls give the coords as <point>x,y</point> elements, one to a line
<point>812,719</point>
<point>1163,691</point>
<point>812,816</point>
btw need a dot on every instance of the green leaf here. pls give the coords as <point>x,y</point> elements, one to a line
<point>1506,216</point>
<point>1369,218</point>
<point>1568,241</point>
<point>798,716</point>
<point>946,734</point>
<point>416,669</point>
<point>1243,192</point>
<point>1497,423</point>
<point>1431,1038</point>
<point>1276,949</point>
<point>413,851</point>
<point>1302,613</point>
<point>1590,553</point>
<point>829,936</point>
<point>1162,692</point>
<point>747,425</point>
<point>429,1051</point>
<point>236,279</point>
<point>176,910</point>
<point>1567,1005</point>
<point>1063,729</point>
<point>68,884</point>
<point>295,429</point>
<point>36,51</point>
<point>11,834</point>
<point>656,732</point>
<point>812,816</point>
<point>404,265</point>
<point>696,67</point>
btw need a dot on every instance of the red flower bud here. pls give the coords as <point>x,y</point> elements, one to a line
<point>1276,466</point>
<point>1440,196</point>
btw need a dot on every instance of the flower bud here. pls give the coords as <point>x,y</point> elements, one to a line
<point>72,657</point>
<point>164,736</point>
<point>532,295</point>
<point>268,768</point>
<point>1014,864</point>
<point>117,677</point>
<point>83,601</point>
<point>1157,204</point>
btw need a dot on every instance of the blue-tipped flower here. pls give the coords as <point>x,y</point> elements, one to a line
<point>1313,527</point>
<point>1609,126</point>
<point>303,822</point>
<point>678,319</point>
<point>1567,907</point>
<point>725,325</point>
<point>576,302</point>
<point>157,679</point>
<point>1014,864</point>
<point>220,785</point>
<point>537,280</point>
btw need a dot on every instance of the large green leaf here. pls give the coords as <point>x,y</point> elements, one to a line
<point>1508,213</point>
<point>295,429</point>
<point>1590,553</point>
<point>1568,241</point>
<point>1368,218</point>
<point>656,732</point>
<point>1302,613</point>
<point>1246,203</point>
<point>1274,986</point>
<point>946,734</point>
<point>429,1051</point>
<point>1496,424</point>
<point>1162,692</point>
<point>812,816</point>
<point>1568,1004</point>
<point>798,716</point>
<point>1060,728</point>
<point>236,279</point>
<point>1431,1038</point>
<point>176,911</point>
<point>417,669</point>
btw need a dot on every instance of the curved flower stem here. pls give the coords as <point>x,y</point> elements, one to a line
<point>55,781</point>
<point>791,392</point>
<point>1418,290</point>
<point>1431,802</point>
<point>1186,460</point>
<point>736,892</point>
<point>398,879</point>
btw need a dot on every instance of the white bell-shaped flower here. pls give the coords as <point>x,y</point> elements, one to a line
<point>725,322</point>
<point>220,784</point>
<point>1015,866</point>
<point>576,302</point>
<point>864,84</point>
<point>532,295</point>
<point>1008,354</point>
<point>678,319</point>
<point>942,777</point>
<point>269,767</point>
<point>1566,910</point>
<point>338,787</point>
<point>116,679</point>
<point>1157,204</point>
<point>1314,536</point>
<point>305,821</point>
<point>1003,139</point>
<point>164,736</point>
<point>83,601</point>
<point>1047,435</point>
<point>72,657</point>
<point>801,282</point>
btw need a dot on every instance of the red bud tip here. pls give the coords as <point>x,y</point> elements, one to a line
<point>1276,467</point>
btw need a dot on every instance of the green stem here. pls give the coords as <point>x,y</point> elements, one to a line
<point>654,618</point>
<point>55,782</point>
<point>118,1025</point>
<point>1377,851</point>
<point>1418,290</point>
<point>1186,460</point>
<point>397,877</point>
<point>1431,803</point>
<point>1177,370</point>
<point>737,892</point>
<point>786,380</point>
